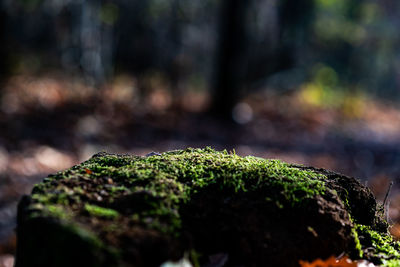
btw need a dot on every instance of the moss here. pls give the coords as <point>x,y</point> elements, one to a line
<point>85,235</point>
<point>194,257</point>
<point>358,246</point>
<point>175,176</point>
<point>116,189</point>
<point>100,211</point>
<point>385,249</point>
<point>57,211</point>
<point>391,263</point>
<point>193,169</point>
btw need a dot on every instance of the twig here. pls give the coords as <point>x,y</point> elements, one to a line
<point>386,208</point>
<point>387,193</point>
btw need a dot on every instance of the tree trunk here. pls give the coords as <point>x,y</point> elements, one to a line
<point>229,58</point>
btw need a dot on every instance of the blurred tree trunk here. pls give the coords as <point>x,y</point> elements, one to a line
<point>175,34</point>
<point>234,69</point>
<point>90,41</point>
<point>232,41</point>
<point>4,68</point>
<point>295,18</point>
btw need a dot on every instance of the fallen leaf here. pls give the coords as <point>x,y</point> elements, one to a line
<point>330,262</point>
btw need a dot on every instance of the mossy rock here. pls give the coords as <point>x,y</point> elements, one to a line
<point>206,206</point>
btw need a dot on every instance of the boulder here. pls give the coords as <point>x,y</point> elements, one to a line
<point>201,207</point>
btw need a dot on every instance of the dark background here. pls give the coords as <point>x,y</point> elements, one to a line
<point>315,82</point>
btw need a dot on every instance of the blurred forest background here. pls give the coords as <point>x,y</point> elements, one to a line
<point>314,82</point>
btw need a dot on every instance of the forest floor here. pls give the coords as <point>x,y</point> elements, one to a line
<point>51,123</point>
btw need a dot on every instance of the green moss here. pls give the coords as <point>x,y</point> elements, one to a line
<point>358,246</point>
<point>57,211</point>
<point>166,181</point>
<point>193,169</point>
<point>391,263</point>
<point>100,211</point>
<point>173,177</point>
<point>194,257</point>
<point>116,189</point>
<point>112,228</point>
<point>386,250</point>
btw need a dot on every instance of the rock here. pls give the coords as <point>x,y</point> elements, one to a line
<point>201,207</point>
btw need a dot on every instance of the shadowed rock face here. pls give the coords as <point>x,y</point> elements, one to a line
<point>120,210</point>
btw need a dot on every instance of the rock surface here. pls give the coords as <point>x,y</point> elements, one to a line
<point>202,205</point>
